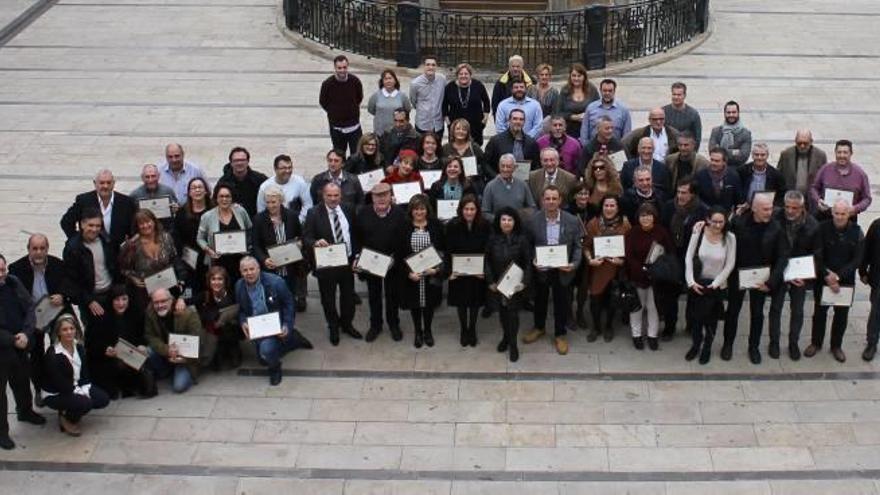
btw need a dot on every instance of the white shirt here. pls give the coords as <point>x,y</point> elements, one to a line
<point>661,144</point>
<point>343,222</point>
<point>107,212</point>
<point>296,187</point>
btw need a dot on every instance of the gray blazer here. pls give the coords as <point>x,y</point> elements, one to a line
<point>210,223</point>
<point>787,165</point>
<point>571,233</point>
<point>742,144</point>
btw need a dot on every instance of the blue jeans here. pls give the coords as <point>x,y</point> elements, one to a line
<point>271,349</point>
<point>181,380</point>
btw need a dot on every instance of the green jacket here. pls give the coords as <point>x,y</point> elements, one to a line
<point>187,323</point>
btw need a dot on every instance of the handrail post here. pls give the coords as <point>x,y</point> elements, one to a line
<point>702,15</point>
<point>408,16</point>
<point>595,17</point>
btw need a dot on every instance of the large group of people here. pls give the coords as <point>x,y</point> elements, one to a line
<point>566,202</point>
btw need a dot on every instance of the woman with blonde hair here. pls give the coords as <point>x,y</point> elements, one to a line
<point>544,92</point>
<point>574,97</point>
<point>602,180</point>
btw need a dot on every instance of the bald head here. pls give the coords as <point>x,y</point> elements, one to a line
<point>762,208</point>
<point>38,249</point>
<point>803,140</point>
<point>657,119</point>
<point>174,156</point>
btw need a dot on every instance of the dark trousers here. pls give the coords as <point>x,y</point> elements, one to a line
<point>302,285</point>
<point>838,323</point>
<point>797,296</point>
<point>702,320</point>
<point>509,318</point>
<point>467,317</point>
<point>341,140</point>
<point>379,289</point>
<point>438,133</point>
<point>874,317</point>
<point>666,298</point>
<point>15,372</point>
<point>331,281</point>
<point>543,287</point>
<point>75,406</point>
<point>36,354</point>
<point>756,315</point>
<point>600,303</point>
<point>422,319</point>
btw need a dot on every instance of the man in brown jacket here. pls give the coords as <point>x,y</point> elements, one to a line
<point>686,161</point>
<point>798,164</point>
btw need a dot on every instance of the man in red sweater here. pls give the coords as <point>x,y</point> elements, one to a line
<point>341,96</point>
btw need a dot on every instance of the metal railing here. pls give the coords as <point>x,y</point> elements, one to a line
<point>596,35</point>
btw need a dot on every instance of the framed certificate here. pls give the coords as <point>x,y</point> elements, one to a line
<point>404,191</point>
<point>832,196</point>
<point>267,325</point>
<point>750,278</point>
<point>46,312</point>
<point>507,284</point>
<point>843,297</point>
<point>164,279</point>
<point>447,209</point>
<point>130,355</point>
<point>187,345</point>
<point>800,268</point>
<point>551,256</point>
<point>370,179</point>
<point>161,206</point>
<point>374,262</point>
<point>470,165</point>
<point>467,264</point>
<point>429,177</point>
<point>618,159</point>
<point>331,256</point>
<point>285,254</point>
<point>608,246</point>
<point>190,256</point>
<point>227,314</point>
<point>424,260</point>
<point>522,170</point>
<point>231,242</point>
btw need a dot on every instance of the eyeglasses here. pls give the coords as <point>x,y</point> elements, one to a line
<point>599,167</point>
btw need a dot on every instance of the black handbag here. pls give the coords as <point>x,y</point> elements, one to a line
<point>666,269</point>
<point>624,296</point>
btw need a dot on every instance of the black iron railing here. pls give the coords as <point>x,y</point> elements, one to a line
<point>596,35</point>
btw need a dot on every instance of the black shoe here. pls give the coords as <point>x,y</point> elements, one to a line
<point>464,339</point>
<point>472,334</point>
<point>705,354</point>
<point>593,335</point>
<point>794,352</point>
<point>486,312</point>
<point>869,353</point>
<point>726,352</point>
<point>581,321</point>
<point>653,344</point>
<point>639,343</point>
<point>301,304</point>
<point>773,350</point>
<point>667,334</point>
<point>514,353</point>
<point>352,332</point>
<point>754,356</point>
<point>417,340</point>
<point>275,376</point>
<point>396,334</point>
<point>334,336</point>
<point>692,353</point>
<point>608,334</point>
<point>357,299</point>
<point>372,333</point>
<point>503,345</point>
<point>31,417</point>
<point>429,338</point>
<point>6,443</point>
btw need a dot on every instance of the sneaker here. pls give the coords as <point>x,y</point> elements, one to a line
<point>533,335</point>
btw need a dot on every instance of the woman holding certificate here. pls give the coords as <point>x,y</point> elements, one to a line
<point>418,251</point>
<point>148,253</point>
<point>508,253</point>
<point>602,180</point>
<point>224,232</point>
<point>710,258</point>
<point>186,230</point>
<point>453,184</point>
<point>466,238</point>
<point>278,231</point>
<point>604,266</point>
<point>641,245</point>
<point>66,384</point>
<point>219,314</point>
<point>461,144</point>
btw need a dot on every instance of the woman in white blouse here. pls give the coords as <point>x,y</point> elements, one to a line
<point>66,384</point>
<point>710,258</point>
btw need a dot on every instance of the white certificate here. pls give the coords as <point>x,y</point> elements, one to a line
<point>429,177</point>
<point>750,278</point>
<point>424,260</point>
<point>190,256</point>
<point>370,179</point>
<point>267,325</point>
<point>45,312</point>
<point>608,246</point>
<point>508,283</point>
<point>232,242</point>
<point>187,345</point>
<point>405,190</point>
<point>832,196</point>
<point>330,256</point>
<point>467,264</point>
<point>161,206</point>
<point>800,268</point>
<point>522,170</point>
<point>164,279</point>
<point>618,159</point>
<point>844,297</point>
<point>470,165</point>
<point>374,262</point>
<point>551,256</point>
<point>285,254</point>
<point>447,209</point>
<point>130,355</point>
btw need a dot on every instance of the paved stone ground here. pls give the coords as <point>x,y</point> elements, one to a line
<point>94,83</point>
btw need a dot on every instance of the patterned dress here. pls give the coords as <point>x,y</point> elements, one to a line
<point>419,240</point>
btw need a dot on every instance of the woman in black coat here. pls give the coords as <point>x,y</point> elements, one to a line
<point>368,156</point>
<point>422,292</point>
<point>277,225</point>
<point>508,244</point>
<point>210,304</point>
<point>453,184</point>
<point>467,234</point>
<point>66,384</point>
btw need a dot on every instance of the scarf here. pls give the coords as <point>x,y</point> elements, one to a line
<point>729,133</point>
<point>679,219</point>
<point>607,226</point>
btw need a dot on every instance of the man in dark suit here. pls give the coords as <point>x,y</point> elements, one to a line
<point>43,276</point>
<point>659,171</point>
<point>643,191</point>
<point>664,136</point>
<point>352,195</point>
<point>719,185</point>
<point>330,222</point>
<point>515,141</point>
<point>758,175</point>
<point>117,209</point>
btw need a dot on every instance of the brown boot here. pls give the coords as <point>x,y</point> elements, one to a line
<point>67,426</point>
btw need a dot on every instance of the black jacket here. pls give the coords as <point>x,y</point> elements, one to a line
<point>121,219</point>
<point>264,232</point>
<point>58,372</point>
<point>501,251</point>
<point>465,291</point>
<point>631,201</point>
<point>668,211</point>
<point>319,226</point>
<point>870,266</point>
<point>731,194</point>
<point>79,266</point>
<point>56,281</point>
<point>352,194</point>
<point>503,143</point>
<point>409,296</point>
<point>25,318</point>
<point>775,182</point>
<point>244,192</point>
<point>379,234</point>
<point>757,247</point>
<point>806,237</point>
<point>842,251</point>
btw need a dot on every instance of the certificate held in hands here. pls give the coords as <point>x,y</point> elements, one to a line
<point>843,297</point>
<point>800,268</point>
<point>551,256</point>
<point>429,177</point>
<point>285,254</point>
<point>161,206</point>
<point>374,262</point>
<point>231,242</point>
<point>404,191</point>
<point>608,246</point>
<point>130,355</point>
<point>370,179</point>
<point>470,166</point>
<point>447,209</point>
<point>832,196</point>
<point>752,278</point>
<point>164,279</point>
<point>467,264</point>
<point>187,345</point>
<point>45,312</point>
<point>331,256</point>
<point>424,260</point>
<point>511,279</point>
<point>267,325</point>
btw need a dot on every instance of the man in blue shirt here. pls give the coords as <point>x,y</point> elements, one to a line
<point>529,106</point>
<point>608,106</point>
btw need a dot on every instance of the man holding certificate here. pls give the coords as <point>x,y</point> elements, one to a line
<point>554,230</point>
<point>329,223</point>
<point>165,358</point>
<point>257,294</point>
<point>841,175</point>
<point>841,254</point>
